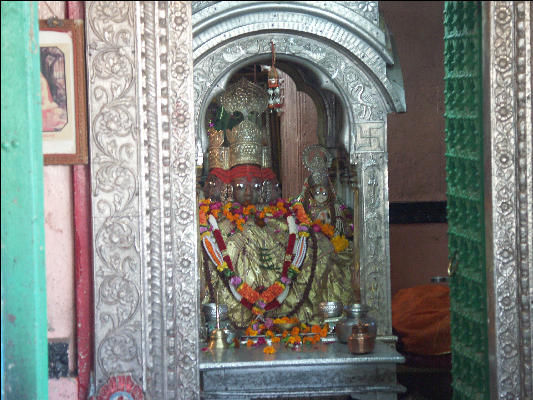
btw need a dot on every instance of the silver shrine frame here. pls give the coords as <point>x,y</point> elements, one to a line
<point>145,141</point>
<point>507,117</point>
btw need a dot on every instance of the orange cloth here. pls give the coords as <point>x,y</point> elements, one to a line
<point>421,318</point>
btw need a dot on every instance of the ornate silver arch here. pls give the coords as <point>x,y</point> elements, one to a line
<point>348,53</point>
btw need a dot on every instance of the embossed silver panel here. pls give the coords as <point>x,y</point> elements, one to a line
<point>143,152</point>
<point>143,191</point>
<point>508,115</point>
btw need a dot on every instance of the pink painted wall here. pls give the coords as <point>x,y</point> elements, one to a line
<point>416,139</point>
<point>59,250</point>
<point>58,218</point>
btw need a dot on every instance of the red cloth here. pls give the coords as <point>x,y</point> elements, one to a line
<point>421,318</point>
<point>248,171</point>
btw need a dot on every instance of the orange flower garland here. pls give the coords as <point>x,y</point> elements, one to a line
<point>274,295</point>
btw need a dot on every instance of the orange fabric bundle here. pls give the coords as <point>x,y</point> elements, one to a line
<point>421,318</point>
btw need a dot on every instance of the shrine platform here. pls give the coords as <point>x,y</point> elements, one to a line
<point>319,370</point>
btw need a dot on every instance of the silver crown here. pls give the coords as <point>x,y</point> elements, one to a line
<point>246,144</point>
<point>244,96</point>
<point>317,160</point>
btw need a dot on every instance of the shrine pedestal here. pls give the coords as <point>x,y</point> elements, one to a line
<point>316,370</point>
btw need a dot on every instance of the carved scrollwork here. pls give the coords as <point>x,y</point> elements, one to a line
<point>183,377</point>
<point>115,177</point>
<point>363,98</point>
<point>117,352</point>
<point>510,118</point>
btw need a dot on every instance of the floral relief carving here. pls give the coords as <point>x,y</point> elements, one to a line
<point>505,262</point>
<point>368,9</point>
<point>182,305</point>
<point>114,168</point>
<point>510,72</point>
<point>363,97</point>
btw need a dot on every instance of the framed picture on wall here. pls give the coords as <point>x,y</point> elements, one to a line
<point>63,88</point>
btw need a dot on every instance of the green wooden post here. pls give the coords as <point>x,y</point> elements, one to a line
<point>24,339</point>
<point>465,192</point>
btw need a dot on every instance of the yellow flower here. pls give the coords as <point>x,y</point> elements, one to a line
<point>276,339</point>
<point>222,267</point>
<point>249,343</point>
<point>269,350</point>
<point>340,243</point>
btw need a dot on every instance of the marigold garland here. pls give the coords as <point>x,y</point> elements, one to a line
<point>274,295</point>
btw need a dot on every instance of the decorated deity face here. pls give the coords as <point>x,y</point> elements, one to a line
<point>214,187</point>
<point>271,190</point>
<point>247,190</point>
<point>320,194</point>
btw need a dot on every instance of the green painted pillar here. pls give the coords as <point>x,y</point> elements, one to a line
<point>24,336</point>
<point>463,93</point>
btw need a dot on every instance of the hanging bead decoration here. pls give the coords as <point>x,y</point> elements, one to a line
<point>275,102</point>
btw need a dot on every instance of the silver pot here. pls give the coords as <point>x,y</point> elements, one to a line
<point>210,315</point>
<point>356,315</point>
<point>330,309</point>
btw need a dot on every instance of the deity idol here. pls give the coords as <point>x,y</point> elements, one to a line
<point>318,195</point>
<point>263,255</point>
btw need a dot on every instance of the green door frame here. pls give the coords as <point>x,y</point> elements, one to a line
<point>24,322</point>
